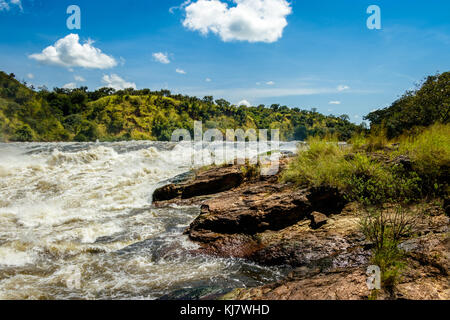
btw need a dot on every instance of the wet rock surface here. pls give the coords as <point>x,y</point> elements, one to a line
<point>211,181</point>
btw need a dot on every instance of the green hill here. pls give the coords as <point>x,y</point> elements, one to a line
<point>109,115</point>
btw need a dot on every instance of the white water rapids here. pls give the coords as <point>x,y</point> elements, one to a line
<point>76,222</point>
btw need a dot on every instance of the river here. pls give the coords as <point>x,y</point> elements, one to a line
<point>76,222</point>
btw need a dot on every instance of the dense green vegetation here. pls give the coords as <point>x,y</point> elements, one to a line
<point>404,170</point>
<point>419,108</point>
<point>108,115</point>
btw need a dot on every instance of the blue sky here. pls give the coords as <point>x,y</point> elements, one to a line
<point>308,54</point>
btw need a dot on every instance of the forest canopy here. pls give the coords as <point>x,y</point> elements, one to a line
<point>108,115</point>
<point>429,104</point>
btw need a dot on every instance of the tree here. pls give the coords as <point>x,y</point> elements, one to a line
<point>423,107</point>
<point>300,133</point>
<point>24,134</point>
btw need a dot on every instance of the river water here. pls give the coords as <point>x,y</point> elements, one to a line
<point>76,222</point>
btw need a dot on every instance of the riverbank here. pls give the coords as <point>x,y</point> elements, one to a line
<point>315,231</point>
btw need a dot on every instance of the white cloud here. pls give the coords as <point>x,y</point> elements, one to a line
<point>244,103</point>
<point>248,20</point>
<point>30,76</point>
<point>6,5</point>
<point>71,85</point>
<point>79,79</point>
<point>208,80</point>
<point>180,71</point>
<point>270,83</point>
<point>161,57</point>
<point>334,102</point>
<point>234,94</point>
<point>68,52</point>
<point>116,82</point>
<point>343,88</point>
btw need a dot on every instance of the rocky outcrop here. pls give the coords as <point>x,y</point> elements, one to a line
<point>343,276</point>
<point>251,210</point>
<point>425,278</point>
<point>313,230</point>
<point>247,212</point>
<point>207,182</point>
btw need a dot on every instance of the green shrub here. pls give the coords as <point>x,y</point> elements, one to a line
<point>359,176</point>
<point>89,132</point>
<point>316,166</point>
<point>251,171</point>
<point>430,154</point>
<point>24,134</point>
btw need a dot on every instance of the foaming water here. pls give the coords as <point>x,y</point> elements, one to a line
<point>76,222</point>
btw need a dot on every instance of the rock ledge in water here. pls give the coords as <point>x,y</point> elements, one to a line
<point>208,182</point>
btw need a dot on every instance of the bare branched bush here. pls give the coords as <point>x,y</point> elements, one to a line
<point>385,228</point>
<point>390,225</point>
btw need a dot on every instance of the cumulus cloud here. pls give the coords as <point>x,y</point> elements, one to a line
<point>30,76</point>
<point>335,102</point>
<point>161,57</point>
<point>5,5</point>
<point>343,88</point>
<point>244,103</point>
<point>248,20</point>
<point>270,83</point>
<point>116,82</point>
<point>208,80</point>
<point>79,79</point>
<point>68,52</point>
<point>180,71</point>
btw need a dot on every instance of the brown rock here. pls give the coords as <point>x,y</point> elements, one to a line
<point>338,285</point>
<point>207,182</point>
<point>213,181</point>
<point>250,211</point>
<point>318,219</point>
<point>425,276</point>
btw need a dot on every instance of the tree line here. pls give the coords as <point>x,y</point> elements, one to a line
<point>27,114</point>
